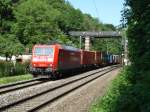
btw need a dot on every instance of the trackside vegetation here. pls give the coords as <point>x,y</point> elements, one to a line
<point>12,79</point>
<point>130,92</point>
<point>10,73</point>
<point>125,94</point>
<point>113,101</point>
<point>9,69</point>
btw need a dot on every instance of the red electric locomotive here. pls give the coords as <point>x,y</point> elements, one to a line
<point>51,60</point>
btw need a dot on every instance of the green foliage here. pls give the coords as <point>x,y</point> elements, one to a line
<point>13,79</point>
<point>130,91</point>
<point>108,103</point>
<point>35,22</point>
<point>138,17</point>
<point>5,68</point>
<point>9,45</point>
<point>111,45</point>
<point>125,96</point>
<point>8,69</point>
<point>91,24</point>
<point>28,22</point>
<point>6,15</point>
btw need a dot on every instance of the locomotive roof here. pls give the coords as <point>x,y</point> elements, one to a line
<point>60,46</point>
<point>69,48</point>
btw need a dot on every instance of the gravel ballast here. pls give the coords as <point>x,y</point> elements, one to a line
<point>11,97</point>
<point>81,99</point>
<point>64,104</point>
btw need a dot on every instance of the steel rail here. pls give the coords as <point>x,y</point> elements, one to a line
<point>67,92</point>
<point>20,86</point>
<point>17,83</point>
<point>52,89</point>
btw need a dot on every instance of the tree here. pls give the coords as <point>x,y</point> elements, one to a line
<point>28,22</point>
<point>35,22</point>
<point>137,17</point>
<point>6,15</point>
<point>10,46</point>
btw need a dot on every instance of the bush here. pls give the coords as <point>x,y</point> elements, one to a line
<point>5,68</point>
<point>109,102</point>
<point>8,68</point>
<point>126,94</point>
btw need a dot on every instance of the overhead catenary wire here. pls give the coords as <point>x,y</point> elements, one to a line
<point>96,9</point>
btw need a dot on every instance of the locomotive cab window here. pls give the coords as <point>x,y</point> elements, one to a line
<point>43,51</point>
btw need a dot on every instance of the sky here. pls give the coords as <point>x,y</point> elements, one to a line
<point>107,11</point>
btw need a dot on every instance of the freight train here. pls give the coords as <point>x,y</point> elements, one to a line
<point>51,61</point>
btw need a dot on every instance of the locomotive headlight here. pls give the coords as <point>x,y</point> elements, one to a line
<point>50,59</point>
<point>35,59</point>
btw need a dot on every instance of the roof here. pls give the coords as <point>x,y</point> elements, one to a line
<point>60,46</point>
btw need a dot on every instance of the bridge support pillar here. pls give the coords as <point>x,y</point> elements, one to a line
<point>87,43</point>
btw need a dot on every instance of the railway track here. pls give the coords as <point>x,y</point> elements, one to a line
<point>19,85</point>
<point>37,101</point>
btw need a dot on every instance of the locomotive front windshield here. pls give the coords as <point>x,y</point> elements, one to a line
<point>43,51</point>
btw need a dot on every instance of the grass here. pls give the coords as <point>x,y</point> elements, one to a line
<point>7,68</point>
<point>12,79</point>
<point>129,92</point>
<point>109,101</point>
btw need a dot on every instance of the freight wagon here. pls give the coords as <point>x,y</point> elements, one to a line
<point>52,61</point>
